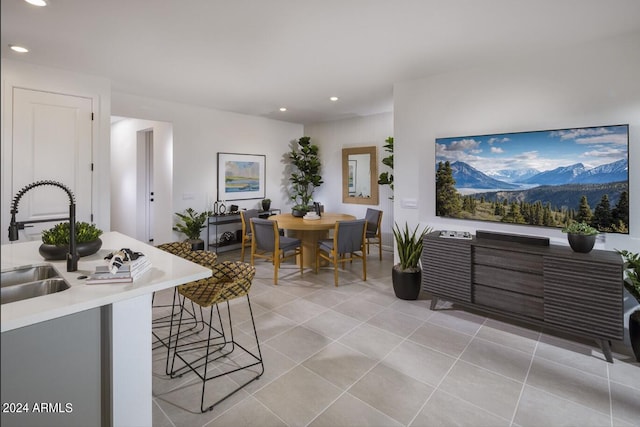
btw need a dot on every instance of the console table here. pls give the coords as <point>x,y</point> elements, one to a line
<point>229,222</point>
<point>550,286</point>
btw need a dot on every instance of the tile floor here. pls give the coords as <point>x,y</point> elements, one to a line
<point>358,356</point>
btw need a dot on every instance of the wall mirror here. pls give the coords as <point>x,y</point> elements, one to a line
<point>360,175</point>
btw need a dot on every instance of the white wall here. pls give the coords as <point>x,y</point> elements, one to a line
<point>589,85</point>
<point>125,207</point>
<point>332,137</point>
<point>199,134</point>
<point>23,75</point>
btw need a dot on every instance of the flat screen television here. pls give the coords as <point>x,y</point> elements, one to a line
<point>541,178</point>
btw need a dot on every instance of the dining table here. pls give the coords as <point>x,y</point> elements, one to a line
<point>309,231</point>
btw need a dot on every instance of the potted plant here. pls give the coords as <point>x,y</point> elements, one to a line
<point>632,283</point>
<point>266,205</point>
<point>55,241</point>
<point>581,236</point>
<point>191,224</point>
<point>386,178</point>
<point>406,275</point>
<point>306,176</point>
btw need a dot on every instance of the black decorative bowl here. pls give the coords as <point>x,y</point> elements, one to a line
<point>56,253</point>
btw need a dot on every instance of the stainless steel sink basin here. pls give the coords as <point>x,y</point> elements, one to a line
<point>28,282</point>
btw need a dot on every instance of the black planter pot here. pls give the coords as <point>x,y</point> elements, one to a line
<point>298,212</point>
<point>266,205</point>
<point>56,253</point>
<point>581,243</point>
<point>634,333</point>
<point>406,284</point>
<point>197,244</point>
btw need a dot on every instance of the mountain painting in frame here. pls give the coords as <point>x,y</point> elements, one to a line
<point>543,178</point>
<point>241,176</point>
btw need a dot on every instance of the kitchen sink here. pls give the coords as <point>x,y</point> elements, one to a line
<point>28,282</point>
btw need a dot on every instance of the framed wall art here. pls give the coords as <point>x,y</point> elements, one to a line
<point>241,176</point>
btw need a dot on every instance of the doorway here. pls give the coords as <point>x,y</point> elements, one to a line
<point>141,179</point>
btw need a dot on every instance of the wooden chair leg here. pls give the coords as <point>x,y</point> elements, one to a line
<point>380,247</point>
<point>335,269</point>
<point>276,266</point>
<point>301,261</point>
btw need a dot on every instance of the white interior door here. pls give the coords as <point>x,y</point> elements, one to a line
<point>51,141</point>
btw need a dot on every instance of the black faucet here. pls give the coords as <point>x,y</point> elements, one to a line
<point>14,226</point>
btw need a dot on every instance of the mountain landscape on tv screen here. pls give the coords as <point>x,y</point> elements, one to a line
<point>548,178</point>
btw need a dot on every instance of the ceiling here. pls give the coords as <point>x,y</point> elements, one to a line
<point>255,56</point>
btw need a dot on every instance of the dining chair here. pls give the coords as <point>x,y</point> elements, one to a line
<point>348,238</point>
<point>216,353</point>
<point>267,243</point>
<point>246,216</point>
<point>374,229</point>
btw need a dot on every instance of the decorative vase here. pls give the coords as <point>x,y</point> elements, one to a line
<point>56,253</point>
<point>406,284</point>
<point>299,213</point>
<point>581,243</point>
<point>266,205</point>
<point>634,333</point>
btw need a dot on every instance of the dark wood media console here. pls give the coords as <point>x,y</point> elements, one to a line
<point>549,286</point>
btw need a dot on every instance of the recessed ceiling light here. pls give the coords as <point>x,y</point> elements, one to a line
<point>283,109</point>
<point>334,98</point>
<point>19,48</point>
<point>37,2</point>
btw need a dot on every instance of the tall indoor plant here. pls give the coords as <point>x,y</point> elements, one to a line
<point>306,174</point>
<point>632,283</point>
<point>406,275</point>
<point>191,224</point>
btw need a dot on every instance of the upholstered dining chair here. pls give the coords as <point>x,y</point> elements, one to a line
<point>246,216</point>
<point>214,354</point>
<point>348,239</point>
<point>267,243</point>
<point>374,227</point>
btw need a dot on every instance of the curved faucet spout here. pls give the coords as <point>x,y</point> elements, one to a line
<point>14,226</point>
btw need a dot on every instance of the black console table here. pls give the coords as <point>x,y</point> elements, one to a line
<point>229,222</point>
<point>550,286</point>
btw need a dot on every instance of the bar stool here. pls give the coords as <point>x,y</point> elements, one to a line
<point>230,280</point>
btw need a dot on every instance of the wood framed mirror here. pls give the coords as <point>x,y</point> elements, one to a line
<point>360,175</point>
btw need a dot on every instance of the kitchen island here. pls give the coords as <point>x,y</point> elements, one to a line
<point>123,313</point>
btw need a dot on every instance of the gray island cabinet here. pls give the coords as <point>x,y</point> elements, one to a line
<point>550,286</point>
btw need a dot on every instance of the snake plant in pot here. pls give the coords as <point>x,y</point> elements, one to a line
<point>406,275</point>
<point>632,283</point>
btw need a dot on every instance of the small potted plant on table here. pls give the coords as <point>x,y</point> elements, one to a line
<point>581,236</point>
<point>55,241</point>
<point>191,224</point>
<point>406,275</point>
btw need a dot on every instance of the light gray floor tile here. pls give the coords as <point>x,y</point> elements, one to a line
<point>625,373</point>
<point>371,341</point>
<point>381,298</point>
<point>395,322</point>
<point>275,364</point>
<point>358,308</point>
<point>299,343</point>
<point>572,384</point>
<point>159,418</point>
<point>268,325</point>
<point>397,395</point>
<point>625,403</point>
<point>272,299</point>
<point>444,410</point>
<point>418,308</point>
<point>461,321</point>
<point>339,364</point>
<point>517,337</point>
<point>442,339</point>
<point>248,413</point>
<point>419,362</point>
<point>348,411</point>
<point>587,358</point>
<point>487,390</point>
<point>498,358</point>
<point>325,298</point>
<point>300,310</point>
<point>538,408</point>
<point>298,396</point>
<point>332,324</point>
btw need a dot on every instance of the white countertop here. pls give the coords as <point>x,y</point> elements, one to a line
<point>167,271</point>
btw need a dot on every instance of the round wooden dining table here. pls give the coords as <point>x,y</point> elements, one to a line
<point>309,231</point>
